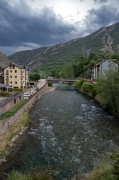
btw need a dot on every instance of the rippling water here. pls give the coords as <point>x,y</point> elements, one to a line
<point>69,131</point>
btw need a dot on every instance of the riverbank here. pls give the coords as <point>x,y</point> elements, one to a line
<point>12,134</point>
<point>98,99</point>
<point>11,128</point>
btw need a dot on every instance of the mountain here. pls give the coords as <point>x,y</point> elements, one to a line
<point>104,40</point>
<point>4,61</point>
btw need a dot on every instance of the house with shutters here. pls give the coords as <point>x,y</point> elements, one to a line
<point>16,76</point>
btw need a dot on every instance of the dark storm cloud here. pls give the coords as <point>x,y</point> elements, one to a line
<point>104,16</point>
<point>19,24</point>
<point>100,1</point>
<point>23,28</point>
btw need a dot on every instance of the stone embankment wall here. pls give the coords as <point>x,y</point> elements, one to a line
<point>7,105</point>
<point>4,124</point>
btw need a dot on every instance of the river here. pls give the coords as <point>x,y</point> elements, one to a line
<point>69,131</point>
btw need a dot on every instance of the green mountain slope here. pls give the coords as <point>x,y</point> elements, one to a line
<point>105,40</point>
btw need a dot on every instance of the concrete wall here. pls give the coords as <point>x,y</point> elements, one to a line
<point>4,124</point>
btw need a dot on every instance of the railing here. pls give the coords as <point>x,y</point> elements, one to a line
<point>62,79</point>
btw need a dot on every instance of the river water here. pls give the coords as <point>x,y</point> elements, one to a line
<point>69,131</point>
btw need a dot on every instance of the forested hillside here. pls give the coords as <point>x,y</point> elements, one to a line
<point>104,41</point>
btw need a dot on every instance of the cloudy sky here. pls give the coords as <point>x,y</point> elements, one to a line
<point>30,24</point>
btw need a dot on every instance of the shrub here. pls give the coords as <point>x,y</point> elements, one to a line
<point>4,93</point>
<point>49,83</point>
<point>94,90</point>
<point>17,89</point>
<point>79,83</point>
<point>102,171</point>
<point>38,173</point>
<point>14,175</point>
<point>115,171</point>
<point>87,87</point>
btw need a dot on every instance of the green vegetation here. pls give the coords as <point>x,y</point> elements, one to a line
<point>39,173</point>
<point>83,65</point>
<point>16,176</point>
<point>34,76</point>
<point>17,89</point>
<point>87,87</point>
<point>106,170</point>
<point>108,89</point>
<point>68,71</point>
<point>49,83</point>
<point>94,90</point>
<point>115,170</point>
<point>11,132</point>
<point>79,83</point>
<point>54,73</point>
<point>102,171</point>
<point>12,111</point>
<point>4,93</point>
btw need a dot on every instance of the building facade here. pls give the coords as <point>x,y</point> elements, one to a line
<point>101,67</point>
<point>16,76</point>
<point>1,75</point>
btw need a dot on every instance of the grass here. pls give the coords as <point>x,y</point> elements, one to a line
<point>11,132</point>
<point>102,171</point>
<point>12,111</point>
<point>38,173</point>
<point>16,176</point>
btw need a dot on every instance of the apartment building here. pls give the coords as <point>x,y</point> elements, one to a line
<point>16,76</point>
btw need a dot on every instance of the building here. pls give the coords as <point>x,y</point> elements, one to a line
<point>16,76</point>
<point>1,75</point>
<point>99,68</point>
<point>4,87</point>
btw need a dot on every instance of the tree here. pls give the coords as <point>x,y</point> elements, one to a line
<point>53,72</point>
<point>108,89</point>
<point>69,72</point>
<point>34,76</point>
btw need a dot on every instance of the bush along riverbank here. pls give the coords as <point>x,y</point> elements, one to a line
<point>105,91</point>
<point>88,88</point>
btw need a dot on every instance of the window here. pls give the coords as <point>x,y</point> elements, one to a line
<point>10,76</point>
<point>7,72</point>
<point>11,71</point>
<point>15,76</point>
<point>15,71</point>
<point>15,82</point>
<point>10,82</point>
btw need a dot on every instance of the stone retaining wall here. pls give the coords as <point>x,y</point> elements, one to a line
<point>4,124</point>
<point>7,105</point>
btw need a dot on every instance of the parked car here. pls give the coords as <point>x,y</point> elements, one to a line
<point>27,95</point>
